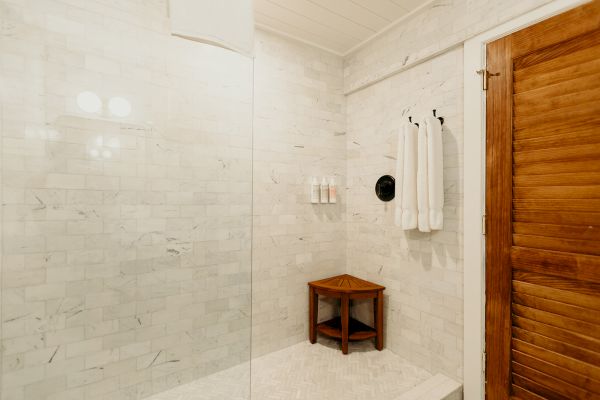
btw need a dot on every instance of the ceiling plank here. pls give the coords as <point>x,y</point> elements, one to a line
<point>271,24</point>
<point>410,4</point>
<point>354,12</point>
<point>339,26</point>
<point>326,17</point>
<point>302,23</point>
<point>384,8</point>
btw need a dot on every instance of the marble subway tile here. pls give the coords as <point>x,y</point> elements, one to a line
<point>106,226</point>
<point>420,270</point>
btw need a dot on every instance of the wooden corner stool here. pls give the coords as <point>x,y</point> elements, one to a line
<point>346,287</point>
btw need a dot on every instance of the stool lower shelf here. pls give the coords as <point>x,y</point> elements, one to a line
<point>356,329</point>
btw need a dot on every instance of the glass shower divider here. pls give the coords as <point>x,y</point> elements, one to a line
<point>126,184</point>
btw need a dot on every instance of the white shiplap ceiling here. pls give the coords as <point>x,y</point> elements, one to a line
<point>339,26</point>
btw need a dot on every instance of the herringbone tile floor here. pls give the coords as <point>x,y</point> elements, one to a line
<point>309,372</point>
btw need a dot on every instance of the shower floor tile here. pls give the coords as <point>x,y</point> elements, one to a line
<point>307,372</point>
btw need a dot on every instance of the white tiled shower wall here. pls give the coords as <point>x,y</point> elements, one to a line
<point>299,132</point>
<point>423,272</point>
<point>127,275</point>
<point>126,241</point>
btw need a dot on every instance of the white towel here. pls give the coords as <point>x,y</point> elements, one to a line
<point>430,176</point>
<point>406,177</point>
<point>435,170</point>
<point>423,178</point>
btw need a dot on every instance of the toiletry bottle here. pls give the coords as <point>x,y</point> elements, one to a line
<point>332,191</point>
<point>314,190</point>
<point>324,191</point>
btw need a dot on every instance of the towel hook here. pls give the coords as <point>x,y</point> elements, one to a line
<point>410,120</point>
<point>440,118</point>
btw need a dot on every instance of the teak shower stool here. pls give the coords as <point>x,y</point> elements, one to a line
<point>346,287</point>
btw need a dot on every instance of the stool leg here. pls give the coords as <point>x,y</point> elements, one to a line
<point>313,313</point>
<point>378,316</point>
<point>345,322</point>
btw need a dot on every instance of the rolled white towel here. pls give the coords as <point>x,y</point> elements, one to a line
<point>435,171</point>
<point>406,178</point>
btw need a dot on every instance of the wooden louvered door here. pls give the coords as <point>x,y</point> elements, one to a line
<point>543,210</point>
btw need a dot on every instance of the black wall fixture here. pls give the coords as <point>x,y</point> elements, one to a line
<point>385,188</point>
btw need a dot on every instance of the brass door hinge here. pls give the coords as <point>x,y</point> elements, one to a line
<point>485,77</point>
<point>483,224</point>
<point>483,362</point>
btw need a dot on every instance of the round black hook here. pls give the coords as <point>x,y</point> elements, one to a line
<point>440,118</point>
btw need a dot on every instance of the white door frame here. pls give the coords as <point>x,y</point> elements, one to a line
<point>474,192</point>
